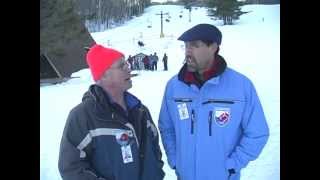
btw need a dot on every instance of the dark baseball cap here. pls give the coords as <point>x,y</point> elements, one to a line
<point>202,32</point>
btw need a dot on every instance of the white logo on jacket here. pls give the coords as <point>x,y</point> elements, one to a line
<point>183,111</point>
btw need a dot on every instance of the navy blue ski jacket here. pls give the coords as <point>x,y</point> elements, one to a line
<point>101,142</point>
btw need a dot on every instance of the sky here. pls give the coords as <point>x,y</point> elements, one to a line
<point>251,46</point>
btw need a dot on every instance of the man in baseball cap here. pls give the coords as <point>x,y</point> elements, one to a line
<point>202,46</point>
<point>205,32</point>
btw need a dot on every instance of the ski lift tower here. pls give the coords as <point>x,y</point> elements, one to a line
<point>161,15</point>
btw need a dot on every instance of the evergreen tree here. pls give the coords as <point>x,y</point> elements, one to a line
<point>188,3</point>
<point>185,2</point>
<point>63,35</point>
<point>227,10</point>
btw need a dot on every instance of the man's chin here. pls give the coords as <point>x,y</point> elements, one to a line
<point>129,85</point>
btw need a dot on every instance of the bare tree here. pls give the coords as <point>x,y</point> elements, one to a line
<point>103,14</point>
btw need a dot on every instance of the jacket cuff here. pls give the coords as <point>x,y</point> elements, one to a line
<point>231,171</point>
<point>172,163</point>
<point>231,164</point>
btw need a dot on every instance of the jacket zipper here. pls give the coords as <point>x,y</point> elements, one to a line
<point>192,120</point>
<point>210,122</point>
<point>183,100</point>
<point>218,101</point>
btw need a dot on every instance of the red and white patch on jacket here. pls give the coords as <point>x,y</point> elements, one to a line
<point>222,116</point>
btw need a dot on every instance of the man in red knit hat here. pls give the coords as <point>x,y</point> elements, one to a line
<point>110,134</point>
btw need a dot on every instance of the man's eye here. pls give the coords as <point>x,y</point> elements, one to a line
<point>194,44</point>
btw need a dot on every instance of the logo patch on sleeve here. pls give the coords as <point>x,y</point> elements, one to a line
<point>222,116</point>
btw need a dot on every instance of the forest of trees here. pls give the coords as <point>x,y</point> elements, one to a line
<point>63,36</point>
<point>65,27</point>
<point>100,15</point>
<point>226,10</point>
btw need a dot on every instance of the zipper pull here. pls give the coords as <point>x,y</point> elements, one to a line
<point>231,171</point>
<point>210,122</point>
<point>192,120</point>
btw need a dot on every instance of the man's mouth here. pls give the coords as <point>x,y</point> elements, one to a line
<point>130,76</point>
<point>133,75</point>
<point>188,59</point>
<point>127,79</point>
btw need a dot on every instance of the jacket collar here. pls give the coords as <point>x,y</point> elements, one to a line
<point>211,75</point>
<point>105,106</point>
<point>101,96</point>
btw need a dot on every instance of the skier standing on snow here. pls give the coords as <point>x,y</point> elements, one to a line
<point>165,62</point>
<point>155,61</point>
<point>130,60</point>
<point>211,120</point>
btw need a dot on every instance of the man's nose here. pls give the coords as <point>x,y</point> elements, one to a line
<point>127,67</point>
<point>188,51</point>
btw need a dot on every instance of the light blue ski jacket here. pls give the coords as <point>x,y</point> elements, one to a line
<point>207,131</point>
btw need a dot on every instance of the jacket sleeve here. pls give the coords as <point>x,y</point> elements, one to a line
<point>255,132</point>
<point>155,135</point>
<point>155,138</point>
<point>72,164</point>
<point>167,131</point>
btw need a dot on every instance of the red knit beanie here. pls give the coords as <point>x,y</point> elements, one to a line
<point>100,59</point>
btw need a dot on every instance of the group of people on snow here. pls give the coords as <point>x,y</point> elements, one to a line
<point>147,62</point>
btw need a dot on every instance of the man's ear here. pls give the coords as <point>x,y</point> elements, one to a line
<point>214,47</point>
<point>104,77</point>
